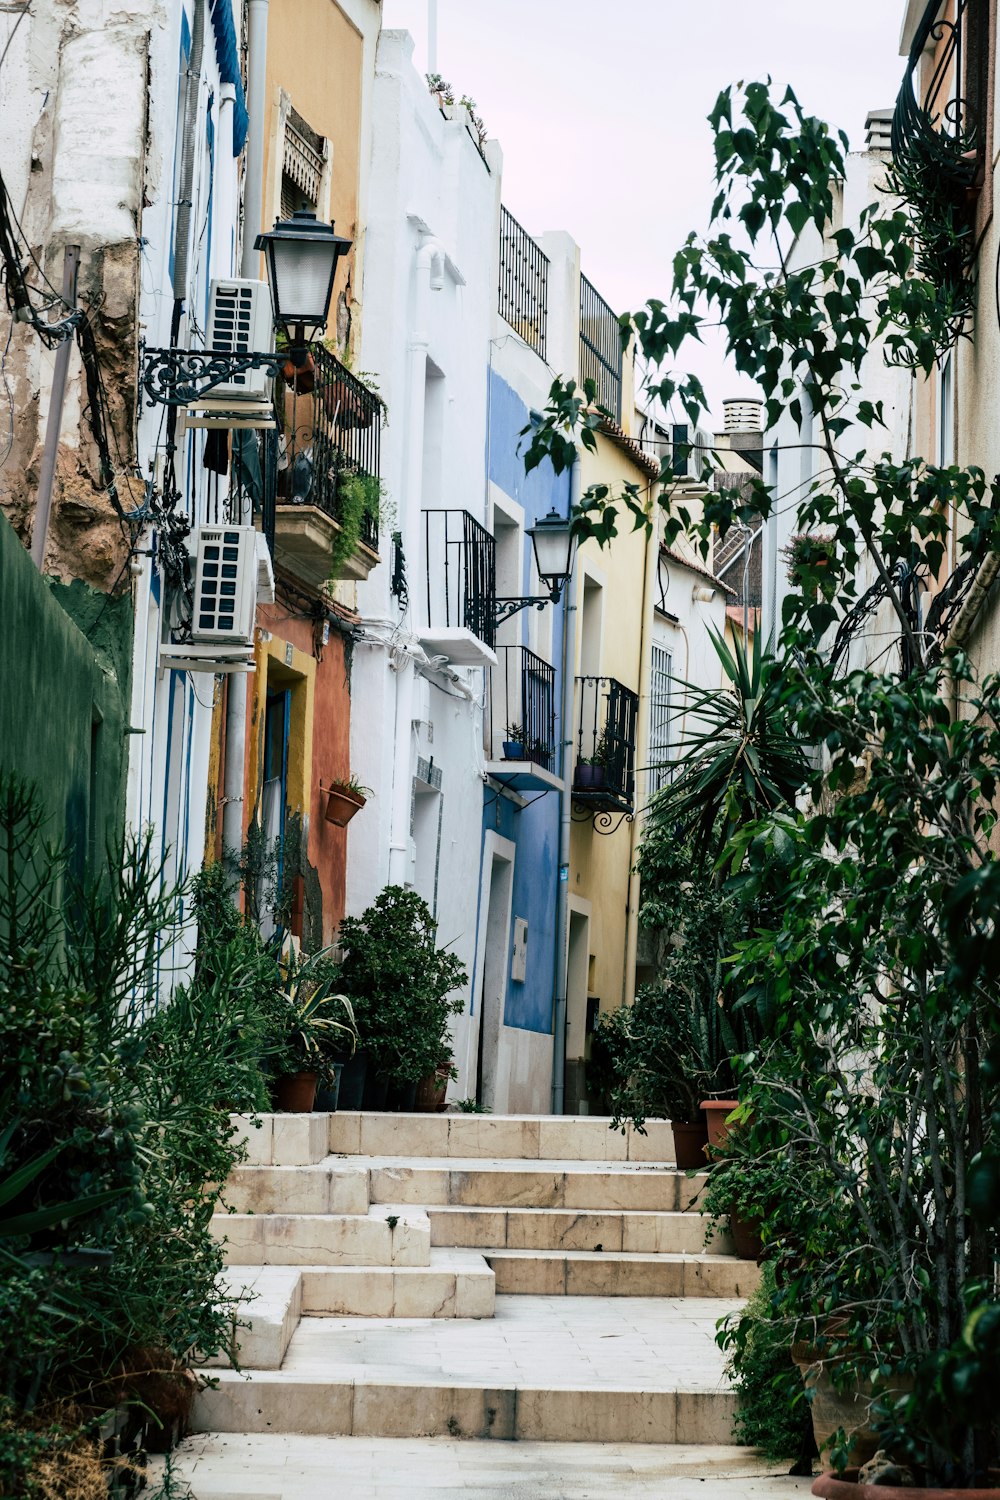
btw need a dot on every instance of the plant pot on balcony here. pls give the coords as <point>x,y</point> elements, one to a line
<point>590,778</point>
<point>346,407</point>
<point>341,805</point>
<point>513,750</point>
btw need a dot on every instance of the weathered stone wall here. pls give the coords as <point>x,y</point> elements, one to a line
<point>78,74</point>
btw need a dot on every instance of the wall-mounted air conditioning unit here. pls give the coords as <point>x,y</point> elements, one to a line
<point>225,584</point>
<point>239,322</point>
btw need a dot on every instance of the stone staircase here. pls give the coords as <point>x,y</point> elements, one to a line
<point>474,1276</point>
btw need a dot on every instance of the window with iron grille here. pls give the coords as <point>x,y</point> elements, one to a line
<point>524,283</point>
<point>600,348</point>
<point>659,719</point>
<point>301,167</point>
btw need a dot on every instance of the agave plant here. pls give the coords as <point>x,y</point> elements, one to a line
<point>742,760</point>
<point>320,1022</point>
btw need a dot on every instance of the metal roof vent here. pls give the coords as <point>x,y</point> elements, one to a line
<point>742,414</point>
<point>878,130</point>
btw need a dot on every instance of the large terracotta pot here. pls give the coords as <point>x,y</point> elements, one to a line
<point>830,1487</point>
<point>832,1409</point>
<point>431,1091</point>
<point>296,1092</point>
<point>717,1112</point>
<point>746,1236</point>
<point>690,1141</point>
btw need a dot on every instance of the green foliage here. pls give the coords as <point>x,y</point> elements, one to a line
<point>116,1135</point>
<point>472,1107</point>
<point>869,865</point>
<point>774,1413</point>
<point>400,982</point>
<point>316,1025</point>
<point>358,496</point>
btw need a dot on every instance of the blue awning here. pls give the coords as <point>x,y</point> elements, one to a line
<point>228,57</point>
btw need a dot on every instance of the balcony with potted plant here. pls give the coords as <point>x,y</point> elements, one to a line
<point>607,721</point>
<point>519,724</point>
<point>328,494</point>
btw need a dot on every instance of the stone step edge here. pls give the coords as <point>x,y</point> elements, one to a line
<point>552,1137</point>
<point>277,1402</point>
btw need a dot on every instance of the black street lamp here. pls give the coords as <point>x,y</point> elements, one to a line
<point>301,255</point>
<point>554,542</point>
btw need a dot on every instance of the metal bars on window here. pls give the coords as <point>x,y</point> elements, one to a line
<point>524,283</point>
<point>600,348</point>
<point>661,678</point>
<point>461,573</point>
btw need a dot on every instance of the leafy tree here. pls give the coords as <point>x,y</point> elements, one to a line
<point>876,879</point>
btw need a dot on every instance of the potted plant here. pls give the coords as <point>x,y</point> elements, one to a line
<point>345,797</point>
<point>432,1089</point>
<point>591,773</point>
<point>314,1023</point>
<point>403,990</point>
<point>513,745</point>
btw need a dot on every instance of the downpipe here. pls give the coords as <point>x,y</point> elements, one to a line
<point>565,825</point>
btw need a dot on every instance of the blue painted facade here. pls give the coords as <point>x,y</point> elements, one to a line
<point>534,829</point>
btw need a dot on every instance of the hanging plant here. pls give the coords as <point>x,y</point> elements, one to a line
<point>358,496</point>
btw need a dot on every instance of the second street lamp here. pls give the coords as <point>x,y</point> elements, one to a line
<point>554,545</point>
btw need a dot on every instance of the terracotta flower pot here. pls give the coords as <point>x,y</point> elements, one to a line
<point>341,805</point>
<point>431,1091</point>
<point>296,1092</point>
<point>690,1141</point>
<point>746,1236</point>
<point>831,1408</point>
<point>830,1487</point>
<point>717,1112</point>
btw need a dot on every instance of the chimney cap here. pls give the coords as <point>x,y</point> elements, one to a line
<point>742,413</point>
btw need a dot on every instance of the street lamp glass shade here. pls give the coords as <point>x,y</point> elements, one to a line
<point>302,255</point>
<point>554,544</point>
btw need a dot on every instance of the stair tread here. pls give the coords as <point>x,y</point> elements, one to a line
<point>651,1257</point>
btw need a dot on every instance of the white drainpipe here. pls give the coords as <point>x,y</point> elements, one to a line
<point>234,773</point>
<point>429,277</point>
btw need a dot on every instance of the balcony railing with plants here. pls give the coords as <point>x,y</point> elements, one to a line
<point>460,573</point>
<point>607,719</point>
<point>938,146</point>
<point>331,426</point>
<point>520,720</point>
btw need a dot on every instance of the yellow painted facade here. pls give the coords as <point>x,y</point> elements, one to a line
<point>614,604</point>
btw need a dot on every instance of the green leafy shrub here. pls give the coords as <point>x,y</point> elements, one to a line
<point>773,1411</point>
<point>400,984</point>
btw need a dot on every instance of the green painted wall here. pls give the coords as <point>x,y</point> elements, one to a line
<point>65,685</point>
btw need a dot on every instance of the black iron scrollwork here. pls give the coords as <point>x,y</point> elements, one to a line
<point>176,377</point>
<point>504,609</point>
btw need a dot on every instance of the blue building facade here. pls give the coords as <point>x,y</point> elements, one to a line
<point>520,811</point>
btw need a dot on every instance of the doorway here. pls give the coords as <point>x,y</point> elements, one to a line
<point>496,899</point>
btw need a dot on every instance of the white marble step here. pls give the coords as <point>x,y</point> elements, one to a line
<point>270,1299</point>
<point>279,1466</point>
<point>520,1137</point>
<point>574,1229</point>
<point>388,1235</point>
<point>545,1368</point>
<point>507,1183</point>
<point>582,1273</point>
<point>330,1186</point>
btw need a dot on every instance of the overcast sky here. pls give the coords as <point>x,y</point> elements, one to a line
<point>600,108</point>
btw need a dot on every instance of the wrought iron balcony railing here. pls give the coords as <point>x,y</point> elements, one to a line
<point>460,583</point>
<point>331,427</point>
<point>520,718</point>
<point>524,283</point>
<point>600,348</point>
<point>942,124</point>
<point>607,720</point>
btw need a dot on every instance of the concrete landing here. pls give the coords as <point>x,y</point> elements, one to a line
<point>265,1467</point>
<point>544,1368</point>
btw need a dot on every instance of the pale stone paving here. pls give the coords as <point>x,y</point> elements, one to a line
<point>238,1467</point>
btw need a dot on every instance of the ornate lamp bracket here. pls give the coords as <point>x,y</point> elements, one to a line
<point>176,377</point>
